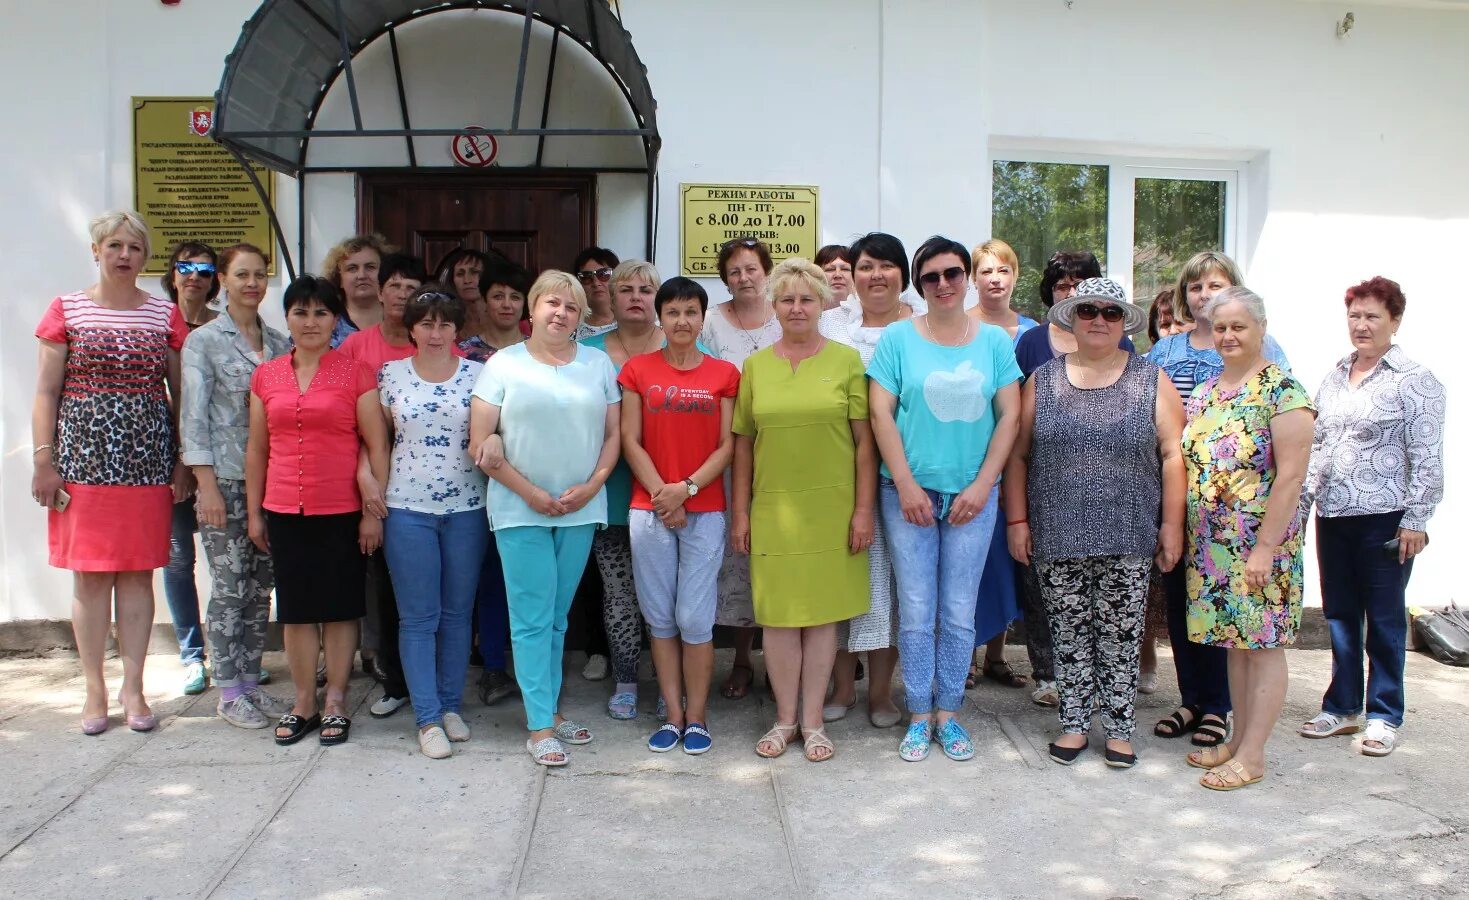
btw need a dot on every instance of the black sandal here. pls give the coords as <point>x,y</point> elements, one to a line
<point>972,679</point>
<point>342,723</point>
<point>1176,725</point>
<point>1211,732</point>
<point>733,691</point>
<point>1000,671</point>
<point>296,727</point>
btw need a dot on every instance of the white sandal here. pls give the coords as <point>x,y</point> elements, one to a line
<point>546,750</point>
<point>1380,733</point>
<point>1327,725</point>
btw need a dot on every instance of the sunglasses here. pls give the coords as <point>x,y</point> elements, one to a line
<point>1109,313</point>
<point>194,268</point>
<point>602,274</point>
<point>751,243</point>
<point>953,275</point>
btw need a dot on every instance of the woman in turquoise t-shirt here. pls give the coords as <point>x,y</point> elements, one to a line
<point>945,405</point>
<point>551,407</point>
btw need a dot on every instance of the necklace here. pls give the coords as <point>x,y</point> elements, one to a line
<point>648,345</point>
<point>754,343</point>
<point>928,326</point>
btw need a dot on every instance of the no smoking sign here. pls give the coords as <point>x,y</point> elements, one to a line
<point>474,148</point>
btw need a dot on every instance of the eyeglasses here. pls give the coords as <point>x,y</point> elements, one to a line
<point>953,275</point>
<point>1109,313</point>
<point>192,268</point>
<point>602,274</point>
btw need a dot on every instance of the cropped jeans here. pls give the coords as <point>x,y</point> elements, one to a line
<point>179,588</point>
<point>435,564</point>
<point>938,570</point>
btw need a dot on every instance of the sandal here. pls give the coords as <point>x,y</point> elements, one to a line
<point>1326,725</point>
<point>817,740</point>
<point>972,678</point>
<point>569,732</point>
<point>1382,734</point>
<point>1176,725</point>
<point>343,726</point>
<point>1000,671</point>
<point>1212,730</point>
<point>778,737</point>
<point>738,688</point>
<point>547,751</point>
<point>1210,757</point>
<point>296,727</point>
<point>1229,777</point>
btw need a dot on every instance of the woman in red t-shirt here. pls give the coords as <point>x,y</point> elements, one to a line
<point>677,407</point>
<point>309,413</point>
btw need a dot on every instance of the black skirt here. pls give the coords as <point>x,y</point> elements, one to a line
<point>320,572</point>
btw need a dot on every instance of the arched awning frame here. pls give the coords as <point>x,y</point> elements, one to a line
<point>265,111</point>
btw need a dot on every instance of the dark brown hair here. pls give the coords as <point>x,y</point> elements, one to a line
<point>190,248</point>
<point>734,245</point>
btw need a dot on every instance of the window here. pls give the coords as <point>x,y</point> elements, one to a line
<point>1142,220</point>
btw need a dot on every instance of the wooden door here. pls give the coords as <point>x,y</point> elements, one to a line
<point>540,221</point>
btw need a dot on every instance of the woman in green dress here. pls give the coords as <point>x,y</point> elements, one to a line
<point>805,493</point>
<point>1246,448</point>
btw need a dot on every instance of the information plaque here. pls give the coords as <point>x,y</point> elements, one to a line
<point>781,215</point>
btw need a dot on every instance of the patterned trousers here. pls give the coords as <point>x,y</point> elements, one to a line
<point>612,548</point>
<point>1096,605</point>
<point>241,580</point>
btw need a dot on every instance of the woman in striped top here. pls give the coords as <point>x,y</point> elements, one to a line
<point>104,426</point>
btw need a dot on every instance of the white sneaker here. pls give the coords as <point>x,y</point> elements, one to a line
<point>1147,683</point>
<point>269,704</point>
<point>597,667</point>
<point>386,706</point>
<point>455,727</point>
<point>241,713</point>
<point>434,743</point>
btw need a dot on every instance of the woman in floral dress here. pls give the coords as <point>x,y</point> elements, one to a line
<point>1246,447</point>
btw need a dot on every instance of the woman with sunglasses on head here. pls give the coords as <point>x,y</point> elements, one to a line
<point>191,283</point>
<point>1190,359</point>
<point>1096,467</point>
<point>945,403</point>
<point>593,268</point>
<point>502,289</point>
<point>881,279</point>
<point>106,467</point>
<point>436,531</point>
<point>732,332</point>
<point>218,362</point>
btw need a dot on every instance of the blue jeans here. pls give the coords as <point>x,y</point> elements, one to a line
<point>938,571</point>
<point>435,562</point>
<point>179,588</point>
<point>543,565</point>
<point>1360,583</point>
<point>491,615</point>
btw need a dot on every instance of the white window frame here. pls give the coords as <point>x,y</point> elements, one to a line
<point>1123,171</point>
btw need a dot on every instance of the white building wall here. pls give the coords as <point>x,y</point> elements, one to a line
<point>894,109</point>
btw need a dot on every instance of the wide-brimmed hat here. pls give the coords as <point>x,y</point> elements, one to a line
<point>1098,291</point>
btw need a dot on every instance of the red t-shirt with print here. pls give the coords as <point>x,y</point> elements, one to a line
<point>680,420</point>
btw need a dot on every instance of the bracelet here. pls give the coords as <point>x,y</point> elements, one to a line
<point>1016,522</point>
<point>43,447</point>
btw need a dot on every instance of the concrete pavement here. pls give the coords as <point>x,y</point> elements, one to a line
<point>200,809</point>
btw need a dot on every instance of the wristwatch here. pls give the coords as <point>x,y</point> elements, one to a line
<point>693,488</point>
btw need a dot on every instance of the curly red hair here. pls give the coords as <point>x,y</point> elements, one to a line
<point>1385,290</point>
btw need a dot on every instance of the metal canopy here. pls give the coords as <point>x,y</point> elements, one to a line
<point>291,52</point>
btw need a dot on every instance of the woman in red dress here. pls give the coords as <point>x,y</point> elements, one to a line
<point>104,428</point>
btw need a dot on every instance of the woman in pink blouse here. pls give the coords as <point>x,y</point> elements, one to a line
<point>105,455</point>
<point>309,414</point>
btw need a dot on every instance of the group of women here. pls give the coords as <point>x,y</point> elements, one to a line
<point>897,473</point>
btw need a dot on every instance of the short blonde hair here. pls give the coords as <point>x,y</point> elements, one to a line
<point>552,281</point>
<point>354,244</point>
<point>109,223</point>
<point>797,269</point>
<point>999,250</point>
<point>630,269</point>
<point>1199,265</point>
